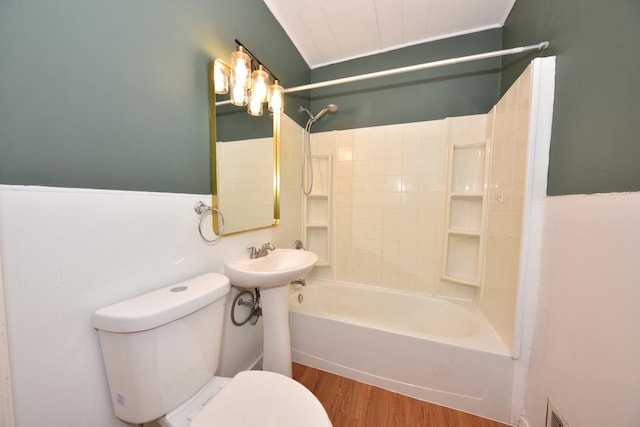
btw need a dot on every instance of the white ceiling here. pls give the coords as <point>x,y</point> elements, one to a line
<point>330,31</point>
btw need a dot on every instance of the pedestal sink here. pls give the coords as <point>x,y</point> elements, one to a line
<point>272,274</point>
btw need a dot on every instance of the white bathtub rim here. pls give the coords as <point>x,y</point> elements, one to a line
<point>465,303</point>
<point>491,344</point>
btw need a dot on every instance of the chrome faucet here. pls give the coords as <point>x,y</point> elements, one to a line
<point>259,253</point>
<point>300,281</point>
<point>253,252</point>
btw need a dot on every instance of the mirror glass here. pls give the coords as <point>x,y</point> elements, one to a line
<point>244,162</point>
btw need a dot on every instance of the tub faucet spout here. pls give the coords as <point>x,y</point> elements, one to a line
<point>300,281</point>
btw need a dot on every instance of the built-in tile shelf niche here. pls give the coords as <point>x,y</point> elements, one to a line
<point>465,213</point>
<point>317,211</point>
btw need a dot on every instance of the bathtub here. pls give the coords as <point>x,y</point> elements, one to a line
<point>438,350</point>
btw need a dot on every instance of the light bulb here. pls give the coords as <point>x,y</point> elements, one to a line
<point>255,106</point>
<point>220,77</point>
<point>276,97</point>
<point>240,69</point>
<point>238,95</point>
<point>260,83</point>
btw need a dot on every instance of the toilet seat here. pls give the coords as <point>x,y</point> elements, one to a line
<point>262,399</point>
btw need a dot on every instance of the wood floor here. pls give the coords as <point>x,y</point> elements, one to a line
<point>353,404</point>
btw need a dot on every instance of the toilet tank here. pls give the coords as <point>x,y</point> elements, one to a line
<point>160,348</point>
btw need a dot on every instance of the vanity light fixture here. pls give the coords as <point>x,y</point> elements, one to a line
<point>247,82</point>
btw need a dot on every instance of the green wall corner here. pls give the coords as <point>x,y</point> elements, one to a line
<point>595,146</point>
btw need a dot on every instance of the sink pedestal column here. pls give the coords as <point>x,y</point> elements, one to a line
<point>275,321</point>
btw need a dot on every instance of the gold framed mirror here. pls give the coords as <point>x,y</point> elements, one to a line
<point>245,171</point>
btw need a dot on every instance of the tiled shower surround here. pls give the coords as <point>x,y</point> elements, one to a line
<point>388,197</point>
<point>388,192</point>
<point>508,127</point>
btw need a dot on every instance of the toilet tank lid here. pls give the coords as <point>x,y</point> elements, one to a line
<point>159,307</point>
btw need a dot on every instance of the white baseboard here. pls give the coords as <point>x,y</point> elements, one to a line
<point>523,422</point>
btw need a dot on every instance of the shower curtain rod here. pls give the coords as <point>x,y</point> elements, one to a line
<point>435,64</point>
<point>540,46</point>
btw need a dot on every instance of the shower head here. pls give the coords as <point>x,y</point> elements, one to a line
<point>301,109</point>
<point>332,108</point>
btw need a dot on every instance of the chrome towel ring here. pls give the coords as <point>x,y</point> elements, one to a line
<point>202,210</point>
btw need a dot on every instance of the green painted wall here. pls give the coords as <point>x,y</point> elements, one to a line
<point>458,90</point>
<point>234,123</point>
<point>113,94</point>
<point>595,147</point>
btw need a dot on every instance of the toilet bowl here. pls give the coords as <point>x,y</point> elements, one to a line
<point>161,351</point>
<point>250,399</point>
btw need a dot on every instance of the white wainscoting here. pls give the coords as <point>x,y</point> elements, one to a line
<point>69,252</point>
<point>6,399</point>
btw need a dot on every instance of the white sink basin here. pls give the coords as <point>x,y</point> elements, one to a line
<point>278,268</point>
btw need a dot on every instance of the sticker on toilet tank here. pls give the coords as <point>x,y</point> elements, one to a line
<point>121,400</point>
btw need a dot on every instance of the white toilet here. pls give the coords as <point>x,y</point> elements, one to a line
<point>161,352</point>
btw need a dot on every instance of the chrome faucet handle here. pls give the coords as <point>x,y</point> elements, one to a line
<point>268,246</point>
<point>298,245</point>
<point>253,252</point>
